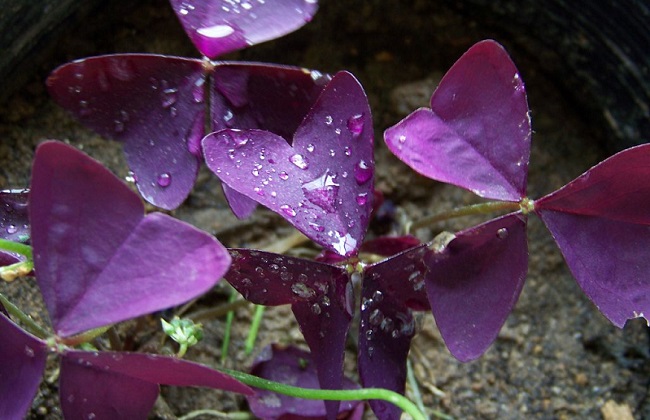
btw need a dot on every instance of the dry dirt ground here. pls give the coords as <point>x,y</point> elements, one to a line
<point>556,357</point>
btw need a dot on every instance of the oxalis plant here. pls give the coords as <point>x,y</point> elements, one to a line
<point>301,144</point>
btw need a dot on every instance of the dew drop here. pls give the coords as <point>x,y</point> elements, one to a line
<point>387,325</point>
<point>29,351</point>
<point>283,175</point>
<point>169,97</point>
<point>300,161</point>
<point>316,309</point>
<point>310,147</point>
<point>347,151</point>
<point>402,139</point>
<point>302,290</point>
<point>216,31</point>
<point>119,126</point>
<point>288,210</point>
<point>355,125</point>
<point>322,191</point>
<point>362,172</point>
<point>11,229</point>
<point>502,233</point>
<point>316,227</point>
<point>329,120</point>
<point>376,317</point>
<point>164,179</point>
<point>362,199</point>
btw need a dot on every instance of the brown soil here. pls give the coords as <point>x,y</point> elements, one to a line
<point>556,357</point>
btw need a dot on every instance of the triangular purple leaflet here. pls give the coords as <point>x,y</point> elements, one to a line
<point>474,282</point>
<point>222,26</point>
<point>321,299</point>
<point>153,104</point>
<point>385,332</point>
<point>293,366</point>
<point>477,133</point>
<point>322,183</point>
<point>22,363</point>
<point>140,265</point>
<point>601,223</point>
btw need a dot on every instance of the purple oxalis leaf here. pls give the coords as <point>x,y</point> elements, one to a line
<point>98,259</point>
<point>601,223</point>
<point>477,133</point>
<point>322,183</point>
<point>222,26</point>
<point>155,105</point>
<point>474,282</point>
<point>293,366</point>
<point>22,362</point>
<point>321,299</point>
<point>14,223</point>
<point>124,385</point>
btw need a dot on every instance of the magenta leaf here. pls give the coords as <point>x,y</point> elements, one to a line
<point>322,183</point>
<point>222,26</point>
<point>14,223</point>
<point>138,265</point>
<point>385,332</point>
<point>153,104</point>
<point>321,299</point>
<point>22,363</point>
<point>474,282</point>
<point>601,223</point>
<point>293,366</point>
<point>477,133</point>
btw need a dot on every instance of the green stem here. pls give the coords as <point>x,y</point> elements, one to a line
<point>328,394</point>
<point>239,415</point>
<point>16,247</point>
<point>31,325</point>
<point>226,335</point>
<point>255,327</point>
<point>473,209</point>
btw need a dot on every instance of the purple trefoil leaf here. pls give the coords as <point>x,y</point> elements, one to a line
<point>293,366</point>
<point>601,223</point>
<point>222,26</point>
<point>156,105</point>
<point>98,258</point>
<point>474,281</point>
<point>22,362</point>
<point>477,133</point>
<point>321,300</point>
<point>322,183</point>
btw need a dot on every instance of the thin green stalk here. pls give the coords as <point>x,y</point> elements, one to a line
<point>327,394</point>
<point>255,327</point>
<point>410,376</point>
<point>473,209</point>
<point>16,247</point>
<point>31,325</point>
<point>226,336</point>
<point>238,415</point>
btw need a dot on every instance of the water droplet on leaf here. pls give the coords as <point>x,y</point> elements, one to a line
<point>164,179</point>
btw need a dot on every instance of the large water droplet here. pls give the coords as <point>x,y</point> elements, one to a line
<point>288,210</point>
<point>164,179</point>
<point>322,191</point>
<point>355,125</point>
<point>300,161</point>
<point>343,244</point>
<point>362,172</point>
<point>302,290</point>
<point>216,31</point>
<point>502,233</point>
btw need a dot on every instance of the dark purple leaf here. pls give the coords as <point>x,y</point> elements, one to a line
<point>293,366</point>
<point>474,282</point>
<point>385,332</point>
<point>389,245</point>
<point>153,104</point>
<point>99,260</point>
<point>323,183</point>
<point>601,223</point>
<point>321,298</point>
<point>477,133</point>
<point>14,223</point>
<point>402,275</point>
<point>222,26</point>
<point>22,362</point>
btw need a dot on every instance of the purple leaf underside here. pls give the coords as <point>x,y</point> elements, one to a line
<point>601,224</point>
<point>322,184</point>
<point>385,332</point>
<point>140,265</point>
<point>22,363</point>
<point>389,245</point>
<point>153,104</point>
<point>223,26</point>
<point>477,133</point>
<point>474,283</point>
<point>293,366</point>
